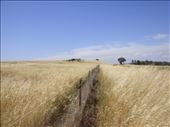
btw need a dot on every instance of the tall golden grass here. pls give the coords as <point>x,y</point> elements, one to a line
<point>134,96</point>
<point>28,89</point>
<point>129,96</point>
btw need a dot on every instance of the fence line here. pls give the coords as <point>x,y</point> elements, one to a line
<point>73,119</point>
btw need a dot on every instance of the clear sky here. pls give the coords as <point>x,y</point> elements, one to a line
<point>105,30</point>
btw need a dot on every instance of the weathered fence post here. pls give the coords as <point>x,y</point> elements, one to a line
<point>80,93</point>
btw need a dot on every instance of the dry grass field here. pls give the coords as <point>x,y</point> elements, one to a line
<point>134,96</point>
<point>28,89</point>
<point>128,95</point>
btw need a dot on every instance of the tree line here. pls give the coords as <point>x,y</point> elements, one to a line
<point>147,62</point>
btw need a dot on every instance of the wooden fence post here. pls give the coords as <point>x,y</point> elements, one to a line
<point>80,93</point>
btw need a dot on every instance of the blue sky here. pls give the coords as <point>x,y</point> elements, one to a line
<point>105,30</point>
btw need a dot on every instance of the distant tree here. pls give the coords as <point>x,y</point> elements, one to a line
<point>133,62</point>
<point>121,60</point>
<point>138,62</point>
<point>97,59</point>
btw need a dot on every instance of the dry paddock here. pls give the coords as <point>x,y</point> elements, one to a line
<point>126,96</point>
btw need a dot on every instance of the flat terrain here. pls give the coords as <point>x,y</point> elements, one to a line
<point>128,95</point>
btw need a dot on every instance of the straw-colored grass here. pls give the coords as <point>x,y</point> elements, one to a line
<point>134,96</point>
<point>128,96</point>
<point>29,88</point>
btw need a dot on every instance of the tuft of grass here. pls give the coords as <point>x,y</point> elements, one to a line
<point>133,96</point>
